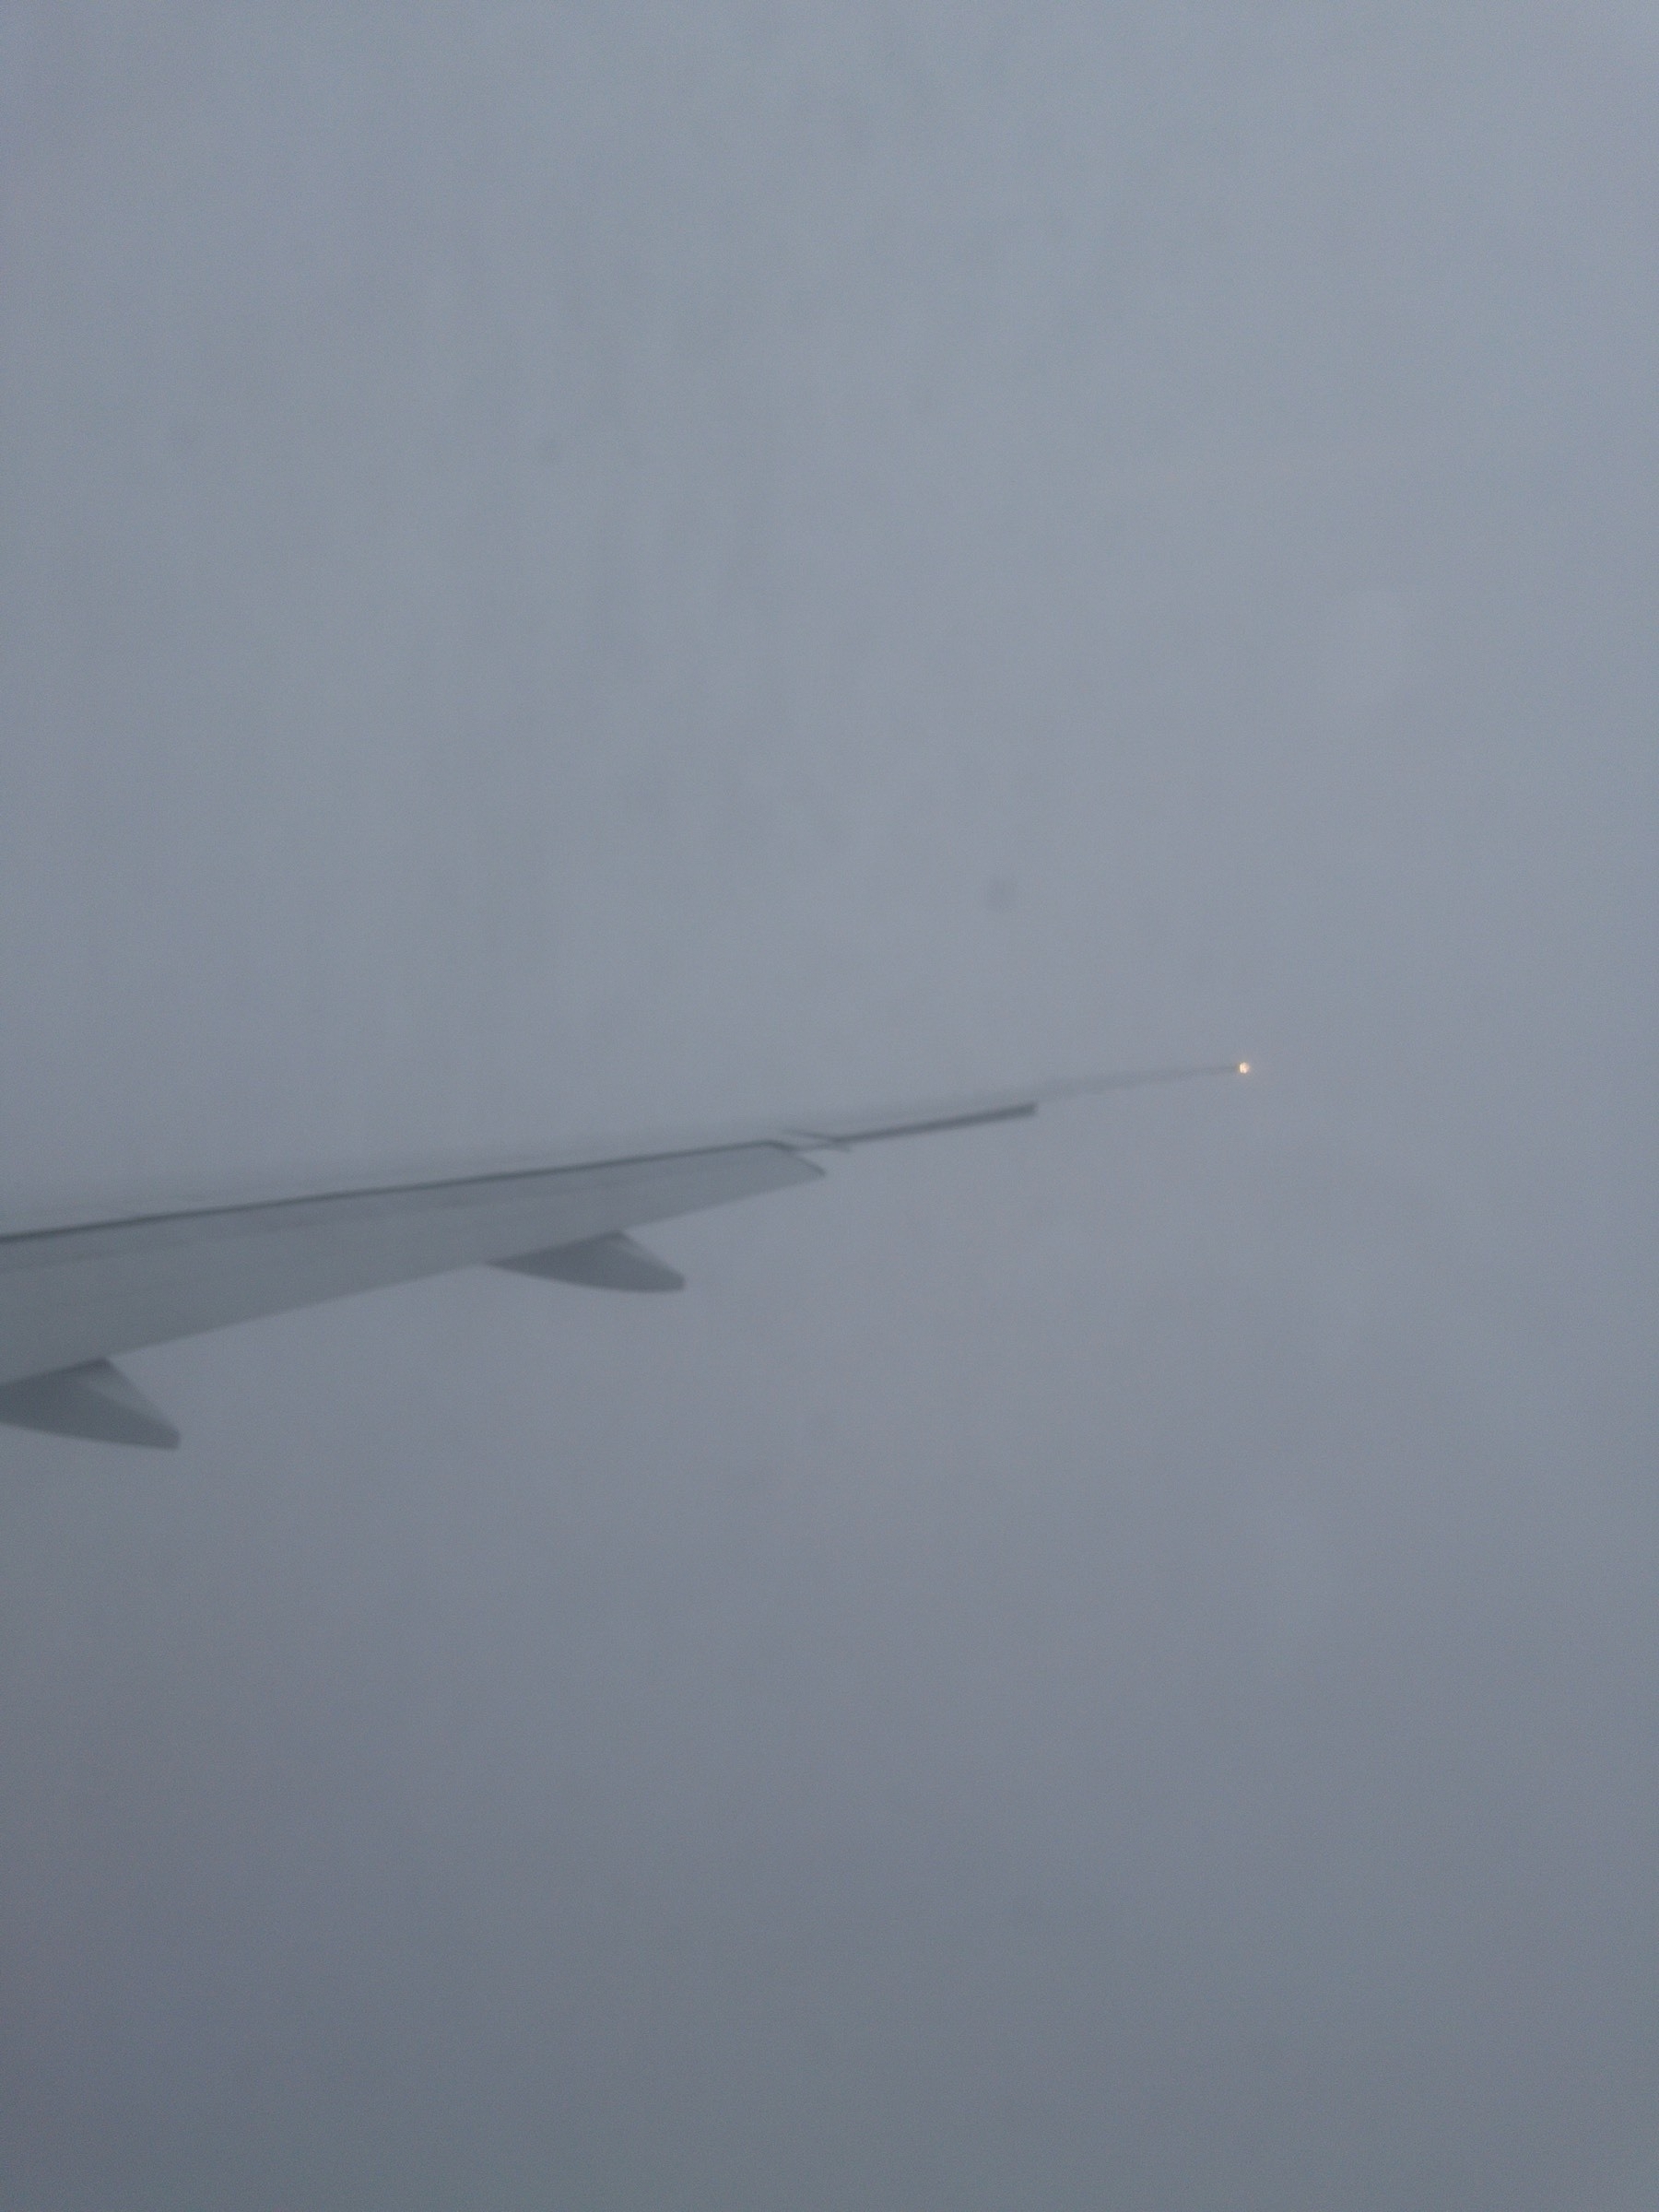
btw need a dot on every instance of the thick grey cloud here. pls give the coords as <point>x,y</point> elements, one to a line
<point>574,568</point>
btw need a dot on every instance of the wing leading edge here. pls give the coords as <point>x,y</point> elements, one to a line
<point>73,1297</point>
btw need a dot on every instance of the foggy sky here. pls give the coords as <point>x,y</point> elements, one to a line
<point>568,569</point>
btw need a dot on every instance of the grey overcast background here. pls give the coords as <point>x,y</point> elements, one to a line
<point>576,568</point>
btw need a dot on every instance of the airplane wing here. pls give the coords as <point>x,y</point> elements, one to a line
<point>72,1296</point>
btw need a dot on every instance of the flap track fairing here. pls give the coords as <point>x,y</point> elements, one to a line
<point>613,1262</point>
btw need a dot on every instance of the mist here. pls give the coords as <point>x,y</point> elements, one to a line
<point>570,570</point>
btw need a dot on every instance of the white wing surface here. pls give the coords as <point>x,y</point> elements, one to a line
<point>74,1296</point>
